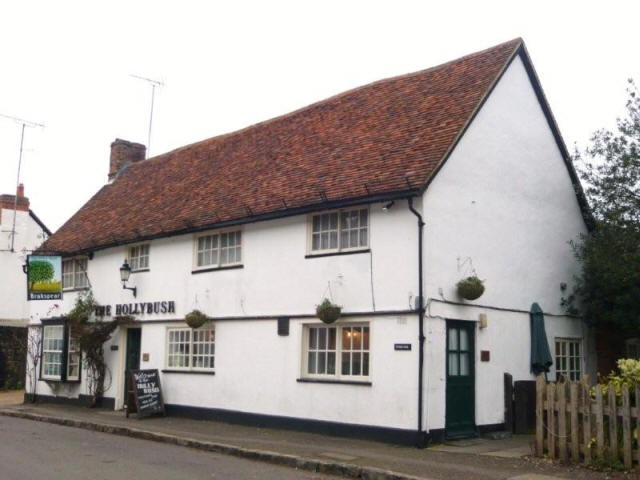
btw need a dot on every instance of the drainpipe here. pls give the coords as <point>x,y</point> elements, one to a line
<point>421,440</point>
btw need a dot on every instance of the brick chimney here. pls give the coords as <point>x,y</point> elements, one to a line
<point>124,153</point>
<point>9,201</point>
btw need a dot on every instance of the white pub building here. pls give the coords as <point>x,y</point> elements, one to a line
<point>380,199</point>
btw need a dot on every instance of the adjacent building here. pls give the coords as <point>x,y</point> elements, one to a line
<point>379,199</point>
<point>21,232</point>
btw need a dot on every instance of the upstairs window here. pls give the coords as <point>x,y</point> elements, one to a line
<point>139,257</point>
<point>219,249</point>
<point>74,274</point>
<point>340,231</point>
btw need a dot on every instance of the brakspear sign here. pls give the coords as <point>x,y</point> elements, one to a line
<point>44,277</point>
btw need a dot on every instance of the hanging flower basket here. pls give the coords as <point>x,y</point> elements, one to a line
<point>195,318</point>
<point>470,288</point>
<point>328,312</point>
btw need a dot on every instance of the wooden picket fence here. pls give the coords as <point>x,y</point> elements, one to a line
<point>571,425</point>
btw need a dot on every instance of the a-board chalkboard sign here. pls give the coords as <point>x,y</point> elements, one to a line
<point>144,395</point>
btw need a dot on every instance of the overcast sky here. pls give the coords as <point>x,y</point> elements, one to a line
<point>227,65</point>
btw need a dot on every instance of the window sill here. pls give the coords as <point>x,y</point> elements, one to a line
<point>191,372</point>
<point>142,270</point>
<point>215,269</point>
<point>58,380</point>
<point>79,289</point>
<point>334,254</point>
<point>362,383</point>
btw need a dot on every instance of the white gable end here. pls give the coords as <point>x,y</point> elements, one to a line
<point>504,198</point>
<point>505,201</point>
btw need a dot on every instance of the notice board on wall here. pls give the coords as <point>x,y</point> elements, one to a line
<point>144,393</point>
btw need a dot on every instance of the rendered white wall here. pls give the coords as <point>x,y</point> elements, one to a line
<point>505,200</point>
<point>13,282</point>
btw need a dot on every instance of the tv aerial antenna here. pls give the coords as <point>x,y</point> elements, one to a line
<point>154,84</point>
<point>25,124</point>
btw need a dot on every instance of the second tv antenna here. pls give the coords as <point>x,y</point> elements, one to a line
<point>154,84</point>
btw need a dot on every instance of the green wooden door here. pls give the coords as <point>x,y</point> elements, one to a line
<point>460,389</point>
<point>132,356</point>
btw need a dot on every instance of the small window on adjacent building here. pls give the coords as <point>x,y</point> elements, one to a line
<point>339,231</point>
<point>139,257</point>
<point>189,349</point>
<point>74,274</point>
<point>336,352</point>
<point>568,358</point>
<point>219,249</point>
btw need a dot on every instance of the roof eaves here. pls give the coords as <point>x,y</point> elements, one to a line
<point>289,212</point>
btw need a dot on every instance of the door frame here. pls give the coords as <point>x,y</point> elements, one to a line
<point>122,363</point>
<point>471,324</point>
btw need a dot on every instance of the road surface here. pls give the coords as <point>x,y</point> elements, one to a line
<point>31,450</point>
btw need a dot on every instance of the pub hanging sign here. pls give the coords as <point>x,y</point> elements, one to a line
<point>44,277</point>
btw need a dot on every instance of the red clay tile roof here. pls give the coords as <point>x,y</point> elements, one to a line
<point>386,137</point>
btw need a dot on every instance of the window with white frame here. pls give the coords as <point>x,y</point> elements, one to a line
<point>190,349</point>
<point>569,358</point>
<point>61,355</point>
<point>73,358</point>
<point>341,230</point>
<point>340,351</point>
<point>52,351</point>
<point>219,249</point>
<point>74,274</point>
<point>139,257</point>
<point>632,347</point>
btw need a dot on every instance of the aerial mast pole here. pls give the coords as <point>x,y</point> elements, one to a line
<point>154,84</point>
<point>24,123</point>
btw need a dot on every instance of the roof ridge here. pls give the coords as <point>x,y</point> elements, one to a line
<point>163,156</point>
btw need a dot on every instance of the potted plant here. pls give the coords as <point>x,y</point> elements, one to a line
<point>470,288</point>
<point>195,318</point>
<point>328,312</point>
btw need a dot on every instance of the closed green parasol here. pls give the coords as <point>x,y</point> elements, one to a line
<point>540,355</point>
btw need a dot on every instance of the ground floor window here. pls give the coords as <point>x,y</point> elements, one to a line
<point>52,347</point>
<point>61,356</point>
<point>191,349</point>
<point>632,347</point>
<point>569,358</point>
<point>340,351</point>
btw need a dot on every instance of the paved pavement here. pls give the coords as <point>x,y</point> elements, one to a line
<point>468,459</point>
<point>39,450</point>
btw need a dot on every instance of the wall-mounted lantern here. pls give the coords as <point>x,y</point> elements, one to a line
<point>125,271</point>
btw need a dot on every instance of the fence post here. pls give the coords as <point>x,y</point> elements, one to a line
<point>586,419</point>
<point>599,423</point>
<point>575,426</point>
<point>551,420</point>
<point>562,419</point>
<point>614,451</point>
<point>626,427</point>
<point>540,388</point>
